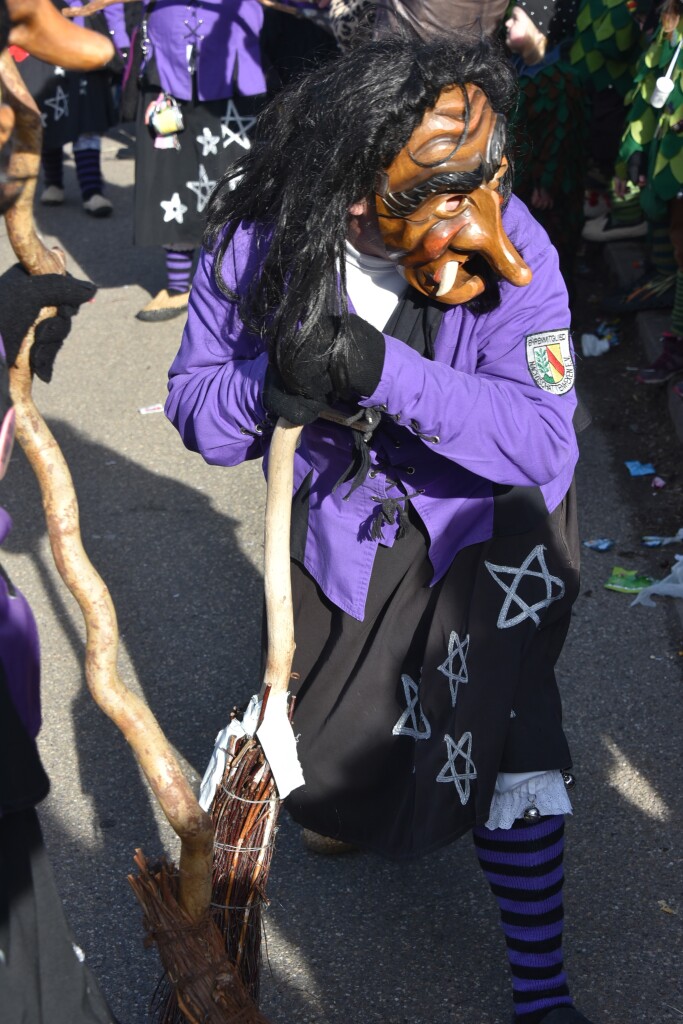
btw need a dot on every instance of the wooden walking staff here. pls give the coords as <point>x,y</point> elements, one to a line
<point>128,712</point>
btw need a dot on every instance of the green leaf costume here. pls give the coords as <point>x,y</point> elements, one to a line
<point>607,44</point>
<point>656,133</point>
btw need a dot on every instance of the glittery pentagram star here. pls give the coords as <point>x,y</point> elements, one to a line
<point>527,611</point>
<point>202,188</point>
<point>450,773</point>
<point>59,103</point>
<point>457,648</point>
<point>173,209</point>
<point>241,136</point>
<point>209,142</point>
<point>408,724</point>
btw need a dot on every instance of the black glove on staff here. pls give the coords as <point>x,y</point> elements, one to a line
<point>301,393</point>
<point>22,297</point>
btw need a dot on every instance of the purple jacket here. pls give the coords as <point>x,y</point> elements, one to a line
<point>225,35</point>
<point>116,23</point>
<point>19,647</point>
<point>452,427</point>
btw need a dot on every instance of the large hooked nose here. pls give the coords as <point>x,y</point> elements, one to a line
<point>483,232</point>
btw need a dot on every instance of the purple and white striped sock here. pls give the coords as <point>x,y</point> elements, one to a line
<point>178,270</point>
<point>523,866</point>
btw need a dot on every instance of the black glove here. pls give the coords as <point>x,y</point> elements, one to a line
<point>278,401</point>
<point>21,299</point>
<point>355,372</point>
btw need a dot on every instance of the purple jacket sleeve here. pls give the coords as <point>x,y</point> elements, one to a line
<point>216,379</point>
<point>482,408</point>
<point>116,23</point>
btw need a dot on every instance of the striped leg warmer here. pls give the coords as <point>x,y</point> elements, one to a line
<point>523,866</point>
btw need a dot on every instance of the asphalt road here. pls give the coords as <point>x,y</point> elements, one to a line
<point>350,940</point>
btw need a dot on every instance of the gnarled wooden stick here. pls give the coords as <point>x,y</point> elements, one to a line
<point>37,26</point>
<point>132,716</point>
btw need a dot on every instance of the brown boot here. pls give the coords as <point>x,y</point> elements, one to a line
<point>164,306</point>
<point>325,845</point>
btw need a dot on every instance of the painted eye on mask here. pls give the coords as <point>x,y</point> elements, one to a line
<point>453,186</point>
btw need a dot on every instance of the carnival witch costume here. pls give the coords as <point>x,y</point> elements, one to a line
<point>434,562</point>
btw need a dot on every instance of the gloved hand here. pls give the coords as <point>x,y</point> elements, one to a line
<point>278,401</point>
<point>22,297</point>
<point>354,372</point>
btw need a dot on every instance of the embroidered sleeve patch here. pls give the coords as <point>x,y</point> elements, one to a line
<point>550,363</point>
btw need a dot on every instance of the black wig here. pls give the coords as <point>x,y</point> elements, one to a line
<point>319,145</point>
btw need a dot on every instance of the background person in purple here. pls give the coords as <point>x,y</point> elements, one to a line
<point>367,255</point>
<point>201,86</point>
<point>77,107</point>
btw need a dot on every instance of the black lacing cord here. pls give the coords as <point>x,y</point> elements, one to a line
<point>360,461</point>
<point>392,510</point>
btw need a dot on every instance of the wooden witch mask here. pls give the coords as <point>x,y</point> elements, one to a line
<point>439,202</point>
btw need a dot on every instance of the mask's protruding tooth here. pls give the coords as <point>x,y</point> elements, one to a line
<point>448,276</point>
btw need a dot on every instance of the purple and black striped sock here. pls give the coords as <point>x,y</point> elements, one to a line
<point>52,161</point>
<point>523,866</point>
<point>179,270</point>
<point>88,172</point>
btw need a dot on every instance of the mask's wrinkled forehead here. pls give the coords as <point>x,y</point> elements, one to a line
<point>457,147</point>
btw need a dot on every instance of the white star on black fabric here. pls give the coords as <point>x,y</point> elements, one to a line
<point>202,188</point>
<point>457,648</point>
<point>408,724</point>
<point>241,137</point>
<point>209,142</point>
<point>59,103</point>
<point>528,611</point>
<point>450,773</point>
<point>173,209</point>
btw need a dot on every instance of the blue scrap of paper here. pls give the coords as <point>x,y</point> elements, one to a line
<point>636,468</point>
<point>599,544</point>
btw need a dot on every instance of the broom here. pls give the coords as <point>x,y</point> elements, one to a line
<point>175,902</point>
<point>254,764</point>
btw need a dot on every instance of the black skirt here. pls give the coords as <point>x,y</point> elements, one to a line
<point>172,186</point>
<point>71,103</point>
<point>405,719</point>
<point>43,978</point>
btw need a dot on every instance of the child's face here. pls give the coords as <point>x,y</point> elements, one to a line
<point>519,30</point>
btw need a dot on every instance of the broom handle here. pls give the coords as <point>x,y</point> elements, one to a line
<point>277,569</point>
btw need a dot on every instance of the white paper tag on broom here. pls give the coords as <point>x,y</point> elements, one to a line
<point>277,739</point>
<point>276,736</point>
<point>216,766</point>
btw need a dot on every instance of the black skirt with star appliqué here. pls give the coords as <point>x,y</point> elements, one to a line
<point>71,103</point>
<point>173,185</point>
<point>405,719</point>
